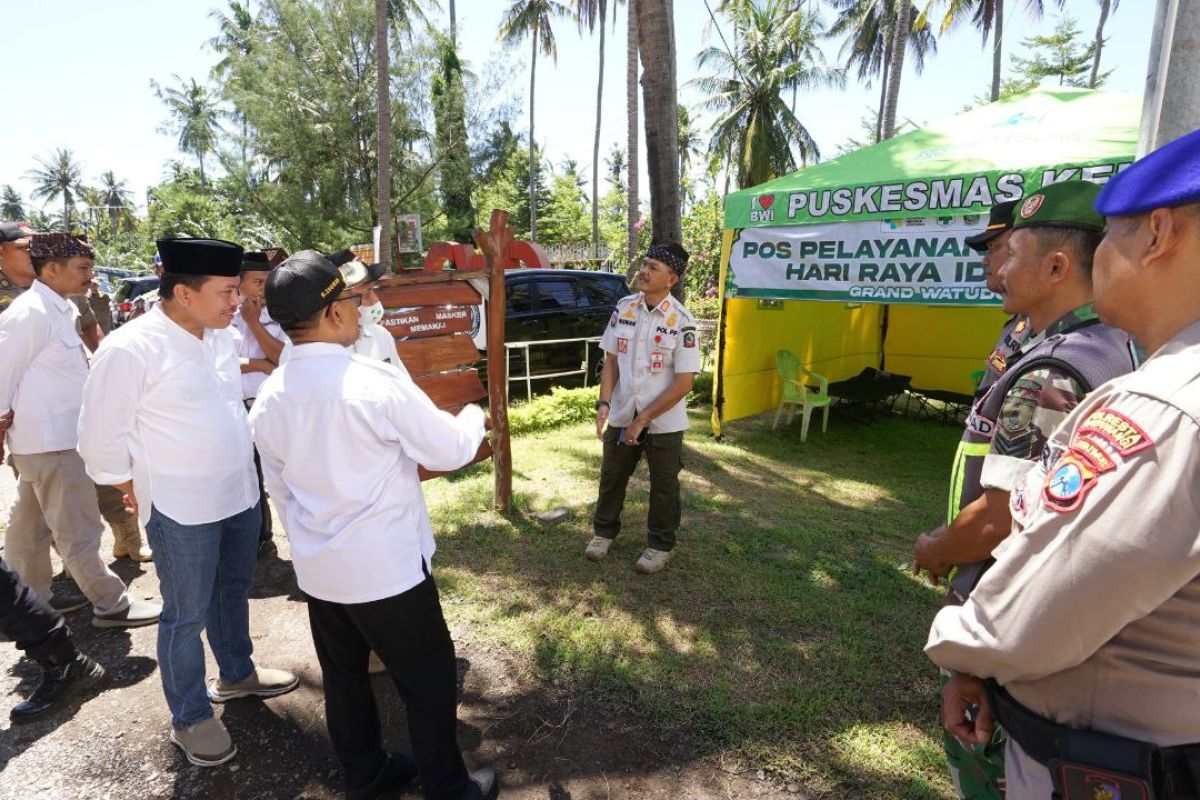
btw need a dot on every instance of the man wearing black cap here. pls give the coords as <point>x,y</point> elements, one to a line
<point>163,420</point>
<point>16,271</point>
<point>259,341</point>
<point>42,372</point>
<point>652,360</point>
<point>341,437</point>
<point>1086,624</point>
<point>1046,276</point>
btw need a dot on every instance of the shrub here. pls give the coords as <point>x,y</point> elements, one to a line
<point>703,307</point>
<point>702,389</point>
<point>547,411</point>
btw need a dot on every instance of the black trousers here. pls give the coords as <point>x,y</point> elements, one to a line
<point>409,634</point>
<point>265,532</point>
<point>664,457</point>
<point>37,628</point>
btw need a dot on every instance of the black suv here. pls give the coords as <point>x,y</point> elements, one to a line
<point>551,304</point>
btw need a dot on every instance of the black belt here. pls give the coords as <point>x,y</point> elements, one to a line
<point>1169,773</point>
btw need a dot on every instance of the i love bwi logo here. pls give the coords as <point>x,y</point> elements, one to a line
<point>761,208</point>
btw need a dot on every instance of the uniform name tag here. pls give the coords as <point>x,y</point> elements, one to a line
<point>656,361</point>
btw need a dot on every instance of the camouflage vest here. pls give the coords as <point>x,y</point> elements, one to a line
<point>1080,346</point>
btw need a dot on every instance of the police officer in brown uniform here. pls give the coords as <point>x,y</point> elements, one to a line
<point>1087,623</point>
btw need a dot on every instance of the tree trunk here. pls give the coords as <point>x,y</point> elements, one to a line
<point>656,34</point>
<point>1104,8</point>
<point>200,158</point>
<point>66,213</point>
<point>884,74</point>
<point>532,150</point>
<point>383,137</point>
<point>596,148</point>
<point>899,46</point>
<point>997,49</point>
<point>453,26</point>
<point>632,213</point>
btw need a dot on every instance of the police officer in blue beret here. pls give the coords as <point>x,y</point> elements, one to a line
<point>1083,640</point>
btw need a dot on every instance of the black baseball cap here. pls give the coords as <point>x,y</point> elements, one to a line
<point>12,231</point>
<point>307,282</point>
<point>1000,220</point>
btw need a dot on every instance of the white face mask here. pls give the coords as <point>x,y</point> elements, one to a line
<point>372,314</point>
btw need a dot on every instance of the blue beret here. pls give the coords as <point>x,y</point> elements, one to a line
<point>1166,177</point>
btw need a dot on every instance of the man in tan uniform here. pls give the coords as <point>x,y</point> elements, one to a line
<point>1089,621</point>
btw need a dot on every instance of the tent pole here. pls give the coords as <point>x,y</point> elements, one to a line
<point>883,332</point>
<point>718,415</point>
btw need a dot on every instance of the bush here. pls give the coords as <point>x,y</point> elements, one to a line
<point>702,389</point>
<point>560,407</point>
<point>703,307</point>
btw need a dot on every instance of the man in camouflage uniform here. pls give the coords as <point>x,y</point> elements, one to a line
<point>16,271</point>
<point>1046,277</point>
<point>992,245</point>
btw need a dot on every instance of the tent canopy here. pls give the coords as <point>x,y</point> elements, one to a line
<point>1029,140</point>
<point>842,241</point>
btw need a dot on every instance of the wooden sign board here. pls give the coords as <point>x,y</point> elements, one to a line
<point>432,313</point>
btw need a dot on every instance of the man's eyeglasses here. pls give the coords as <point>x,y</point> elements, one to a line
<point>356,297</point>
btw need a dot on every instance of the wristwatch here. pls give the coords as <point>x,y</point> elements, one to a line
<point>602,403</point>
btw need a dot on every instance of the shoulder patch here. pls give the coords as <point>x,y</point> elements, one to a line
<point>1068,483</point>
<point>689,339</point>
<point>1118,430</point>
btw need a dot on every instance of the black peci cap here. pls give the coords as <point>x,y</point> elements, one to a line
<point>256,261</point>
<point>214,257</point>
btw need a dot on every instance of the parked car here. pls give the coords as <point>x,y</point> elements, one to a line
<point>127,299</point>
<point>109,278</point>
<point>554,304</point>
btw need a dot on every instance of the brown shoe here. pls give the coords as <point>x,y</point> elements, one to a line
<point>262,682</point>
<point>127,540</point>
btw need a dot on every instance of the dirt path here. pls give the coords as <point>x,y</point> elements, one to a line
<point>546,742</point>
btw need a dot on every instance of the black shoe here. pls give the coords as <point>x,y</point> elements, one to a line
<point>481,785</point>
<point>398,771</point>
<point>64,601</point>
<point>58,686</point>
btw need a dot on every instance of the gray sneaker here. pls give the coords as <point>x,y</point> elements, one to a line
<point>206,744</point>
<point>597,548</point>
<point>64,602</point>
<point>136,614</point>
<point>652,561</point>
<point>263,682</point>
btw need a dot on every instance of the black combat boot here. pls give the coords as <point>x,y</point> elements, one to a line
<point>61,681</point>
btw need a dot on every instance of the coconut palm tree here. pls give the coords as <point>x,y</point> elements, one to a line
<point>632,206</point>
<point>115,198</point>
<point>867,26</point>
<point>12,207</point>
<point>399,14</point>
<point>532,18</point>
<point>60,176</point>
<point>590,14</point>
<point>660,99</point>
<point>988,18</point>
<point>233,42</point>
<point>745,89</point>
<point>194,115</point>
<point>615,162</point>
<point>1106,7</point>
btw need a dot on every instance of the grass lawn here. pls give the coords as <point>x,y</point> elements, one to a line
<point>785,635</point>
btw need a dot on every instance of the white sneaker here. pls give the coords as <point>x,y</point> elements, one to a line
<point>652,561</point>
<point>597,548</point>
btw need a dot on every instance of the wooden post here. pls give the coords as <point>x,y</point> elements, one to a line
<point>494,244</point>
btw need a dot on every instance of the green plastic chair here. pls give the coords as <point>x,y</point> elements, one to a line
<point>797,392</point>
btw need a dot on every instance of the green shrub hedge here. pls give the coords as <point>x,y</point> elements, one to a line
<point>565,406</point>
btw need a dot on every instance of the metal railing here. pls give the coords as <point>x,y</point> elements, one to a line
<point>529,378</point>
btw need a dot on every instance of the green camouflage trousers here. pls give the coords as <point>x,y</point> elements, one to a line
<point>977,770</point>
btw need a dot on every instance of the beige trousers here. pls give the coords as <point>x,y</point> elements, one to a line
<point>56,500</point>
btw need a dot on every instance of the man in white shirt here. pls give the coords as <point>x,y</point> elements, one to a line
<point>652,359</point>
<point>42,372</point>
<point>374,341</point>
<point>341,437</point>
<point>163,420</point>
<point>259,341</point>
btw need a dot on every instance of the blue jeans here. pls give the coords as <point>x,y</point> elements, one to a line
<point>204,574</point>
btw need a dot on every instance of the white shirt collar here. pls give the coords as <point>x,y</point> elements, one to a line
<point>61,303</point>
<point>315,349</point>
